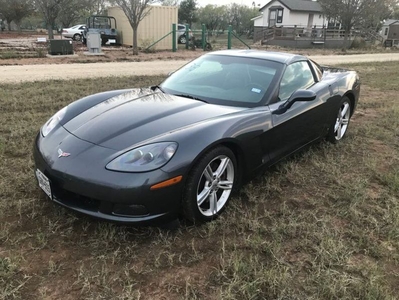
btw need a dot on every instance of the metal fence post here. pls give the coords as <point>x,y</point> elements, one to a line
<point>203,37</point>
<point>229,37</point>
<point>187,35</point>
<point>174,46</point>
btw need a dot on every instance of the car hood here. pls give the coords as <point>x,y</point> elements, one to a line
<point>138,115</point>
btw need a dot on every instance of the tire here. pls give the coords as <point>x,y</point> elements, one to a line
<point>209,185</point>
<point>77,37</point>
<point>182,39</point>
<point>340,125</point>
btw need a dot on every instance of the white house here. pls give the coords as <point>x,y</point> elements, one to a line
<point>290,13</point>
<point>390,30</point>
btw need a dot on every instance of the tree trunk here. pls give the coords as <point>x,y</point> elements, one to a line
<point>9,25</point>
<point>346,38</point>
<point>135,45</point>
<point>50,31</point>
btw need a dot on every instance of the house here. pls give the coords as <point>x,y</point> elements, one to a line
<point>300,13</point>
<point>390,30</point>
<point>298,24</point>
<point>152,28</point>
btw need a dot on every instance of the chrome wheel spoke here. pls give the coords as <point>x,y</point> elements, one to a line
<point>345,110</point>
<point>225,185</point>
<point>336,125</point>
<point>345,121</point>
<point>208,173</point>
<point>213,203</point>
<point>339,131</point>
<point>203,195</point>
<point>222,167</point>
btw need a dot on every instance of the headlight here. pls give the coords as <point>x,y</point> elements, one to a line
<point>53,121</point>
<point>145,158</point>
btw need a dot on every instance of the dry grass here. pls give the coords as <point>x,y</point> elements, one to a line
<point>321,225</point>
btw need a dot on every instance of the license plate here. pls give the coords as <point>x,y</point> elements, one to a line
<point>44,183</point>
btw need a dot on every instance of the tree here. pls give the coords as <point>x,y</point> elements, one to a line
<point>212,16</point>
<point>75,10</point>
<point>50,10</point>
<point>239,16</point>
<point>188,12</point>
<point>15,10</point>
<point>171,3</point>
<point>354,13</point>
<point>135,11</point>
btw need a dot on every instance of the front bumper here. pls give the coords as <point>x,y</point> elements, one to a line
<point>82,183</point>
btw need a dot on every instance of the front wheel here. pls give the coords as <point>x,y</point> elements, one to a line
<point>338,130</point>
<point>209,185</point>
<point>182,39</point>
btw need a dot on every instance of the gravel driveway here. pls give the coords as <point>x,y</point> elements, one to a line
<point>13,74</point>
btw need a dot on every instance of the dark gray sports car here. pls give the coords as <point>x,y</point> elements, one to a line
<point>182,147</point>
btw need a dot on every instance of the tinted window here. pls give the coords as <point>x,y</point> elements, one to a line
<point>296,76</point>
<point>226,80</point>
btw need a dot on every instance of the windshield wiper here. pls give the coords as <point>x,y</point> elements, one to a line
<point>154,87</point>
<point>190,97</point>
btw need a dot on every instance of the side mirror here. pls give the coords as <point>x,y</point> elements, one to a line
<point>298,95</point>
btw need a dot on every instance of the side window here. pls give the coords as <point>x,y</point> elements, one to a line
<point>296,76</point>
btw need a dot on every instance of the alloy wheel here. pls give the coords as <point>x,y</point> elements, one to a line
<point>215,185</point>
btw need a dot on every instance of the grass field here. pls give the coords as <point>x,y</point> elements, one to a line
<point>321,225</point>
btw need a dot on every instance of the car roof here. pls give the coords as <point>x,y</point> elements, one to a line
<point>281,57</point>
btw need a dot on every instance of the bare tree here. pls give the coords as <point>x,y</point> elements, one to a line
<point>135,11</point>
<point>75,10</point>
<point>50,10</point>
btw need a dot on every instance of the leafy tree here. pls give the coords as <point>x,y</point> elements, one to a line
<point>135,11</point>
<point>188,12</point>
<point>15,10</point>
<point>239,16</point>
<point>355,13</point>
<point>212,16</point>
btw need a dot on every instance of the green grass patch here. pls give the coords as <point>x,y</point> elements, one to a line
<point>321,225</point>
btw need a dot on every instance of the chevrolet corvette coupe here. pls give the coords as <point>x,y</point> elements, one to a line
<point>180,148</point>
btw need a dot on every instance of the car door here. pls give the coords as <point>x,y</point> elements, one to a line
<point>303,122</point>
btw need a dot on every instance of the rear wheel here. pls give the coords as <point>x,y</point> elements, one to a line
<point>338,130</point>
<point>77,37</point>
<point>209,185</point>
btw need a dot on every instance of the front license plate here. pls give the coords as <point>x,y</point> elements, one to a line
<point>44,183</point>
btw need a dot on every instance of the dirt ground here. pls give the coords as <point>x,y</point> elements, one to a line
<point>23,64</point>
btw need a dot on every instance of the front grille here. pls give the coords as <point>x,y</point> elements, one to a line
<point>74,200</point>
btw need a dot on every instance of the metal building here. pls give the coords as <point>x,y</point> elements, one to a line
<point>153,27</point>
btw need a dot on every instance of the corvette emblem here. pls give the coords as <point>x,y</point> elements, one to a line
<point>62,153</point>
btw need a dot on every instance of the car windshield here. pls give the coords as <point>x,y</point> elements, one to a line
<point>225,80</point>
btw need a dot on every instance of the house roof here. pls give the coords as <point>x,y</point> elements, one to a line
<point>390,22</point>
<point>298,5</point>
<point>258,17</point>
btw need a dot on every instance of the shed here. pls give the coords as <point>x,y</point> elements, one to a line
<point>153,27</point>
